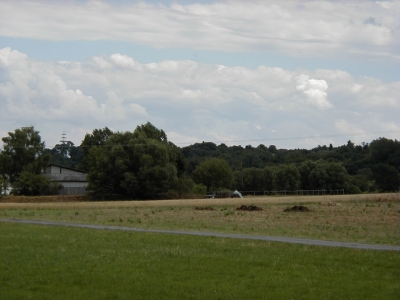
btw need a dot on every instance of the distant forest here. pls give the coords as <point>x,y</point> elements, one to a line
<point>144,164</point>
<point>369,167</point>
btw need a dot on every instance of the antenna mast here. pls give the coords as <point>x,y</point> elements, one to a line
<point>63,137</point>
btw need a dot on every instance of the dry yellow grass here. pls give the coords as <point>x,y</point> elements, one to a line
<point>358,218</point>
<point>78,202</point>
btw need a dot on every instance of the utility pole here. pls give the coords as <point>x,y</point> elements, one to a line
<point>64,150</point>
<point>241,168</point>
<point>63,137</point>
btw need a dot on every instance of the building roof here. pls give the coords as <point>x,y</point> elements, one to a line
<point>68,168</point>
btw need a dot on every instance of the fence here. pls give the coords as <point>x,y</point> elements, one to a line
<point>296,192</point>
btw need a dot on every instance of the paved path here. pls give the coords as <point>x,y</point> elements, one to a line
<point>223,235</point>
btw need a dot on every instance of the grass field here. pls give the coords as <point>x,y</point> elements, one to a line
<point>39,262</point>
<point>352,218</point>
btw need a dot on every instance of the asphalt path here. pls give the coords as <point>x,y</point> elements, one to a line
<point>213,234</point>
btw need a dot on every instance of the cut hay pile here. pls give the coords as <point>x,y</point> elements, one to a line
<point>297,208</point>
<point>249,208</point>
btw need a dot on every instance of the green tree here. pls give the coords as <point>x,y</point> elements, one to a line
<point>386,178</point>
<point>184,185</point>
<point>253,179</point>
<point>329,176</point>
<point>23,151</point>
<point>97,138</point>
<point>237,180</point>
<point>30,184</point>
<point>155,172</point>
<point>214,173</point>
<point>361,181</point>
<point>268,176</point>
<point>338,177</point>
<point>199,189</point>
<point>305,169</point>
<point>66,154</point>
<point>287,177</point>
<point>318,177</point>
<point>135,165</point>
<point>151,132</point>
<point>3,187</point>
<point>385,151</point>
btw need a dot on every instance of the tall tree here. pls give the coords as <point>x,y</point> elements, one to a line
<point>385,151</point>
<point>386,178</point>
<point>134,165</point>
<point>66,154</point>
<point>305,169</point>
<point>151,132</point>
<point>329,176</point>
<point>23,151</point>
<point>268,176</point>
<point>97,138</point>
<point>214,173</point>
<point>253,179</point>
<point>287,177</point>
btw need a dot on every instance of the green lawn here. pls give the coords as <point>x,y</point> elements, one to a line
<point>39,262</point>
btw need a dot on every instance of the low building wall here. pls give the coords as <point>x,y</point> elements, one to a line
<point>72,191</point>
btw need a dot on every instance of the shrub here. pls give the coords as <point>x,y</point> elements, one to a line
<point>30,184</point>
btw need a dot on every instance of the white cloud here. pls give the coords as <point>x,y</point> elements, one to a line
<point>344,126</point>
<point>193,102</point>
<point>375,94</point>
<point>181,140</point>
<point>368,129</point>
<point>315,91</point>
<point>306,28</point>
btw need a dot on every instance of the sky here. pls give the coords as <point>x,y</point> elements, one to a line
<point>295,74</point>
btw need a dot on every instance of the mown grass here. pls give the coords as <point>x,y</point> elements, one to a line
<point>361,218</point>
<point>39,262</point>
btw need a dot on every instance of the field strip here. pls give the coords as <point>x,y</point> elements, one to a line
<point>213,234</point>
<point>259,200</point>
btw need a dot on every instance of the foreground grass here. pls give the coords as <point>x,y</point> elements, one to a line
<point>39,262</point>
<point>361,218</point>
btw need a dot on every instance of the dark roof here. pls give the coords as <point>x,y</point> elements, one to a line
<point>72,169</point>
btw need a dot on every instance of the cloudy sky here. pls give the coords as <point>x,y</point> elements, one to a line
<point>295,74</point>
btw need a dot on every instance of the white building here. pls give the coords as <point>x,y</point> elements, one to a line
<point>73,181</point>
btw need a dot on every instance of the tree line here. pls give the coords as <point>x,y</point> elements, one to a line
<point>144,164</point>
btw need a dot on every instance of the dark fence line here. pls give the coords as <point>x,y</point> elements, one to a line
<point>296,192</point>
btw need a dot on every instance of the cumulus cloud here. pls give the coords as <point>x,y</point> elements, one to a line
<point>314,90</point>
<point>308,29</point>
<point>33,92</point>
<point>193,102</point>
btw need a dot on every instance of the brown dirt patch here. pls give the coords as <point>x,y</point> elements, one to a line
<point>249,208</point>
<point>297,208</point>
